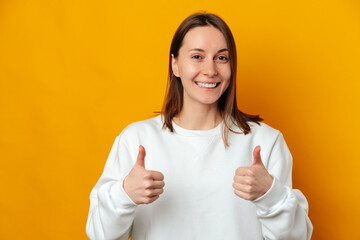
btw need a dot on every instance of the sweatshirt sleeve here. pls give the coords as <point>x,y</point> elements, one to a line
<point>111,211</point>
<point>283,211</point>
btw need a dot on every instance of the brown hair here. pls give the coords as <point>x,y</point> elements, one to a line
<point>227,103</point>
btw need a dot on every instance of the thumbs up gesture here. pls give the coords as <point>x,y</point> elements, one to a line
<point>141,185</point>
<point>252,182</point>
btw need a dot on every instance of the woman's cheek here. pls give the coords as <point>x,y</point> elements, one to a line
<point>191,72</point>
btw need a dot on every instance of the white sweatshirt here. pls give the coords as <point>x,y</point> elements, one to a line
<point>198,200</point>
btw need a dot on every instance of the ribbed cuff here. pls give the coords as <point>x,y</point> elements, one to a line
<point>275,195</point>
<point>119,196</point>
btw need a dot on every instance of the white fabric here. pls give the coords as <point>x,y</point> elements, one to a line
<point>198,200</point>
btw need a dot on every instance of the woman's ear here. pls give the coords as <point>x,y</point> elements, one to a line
<point>174,66</point>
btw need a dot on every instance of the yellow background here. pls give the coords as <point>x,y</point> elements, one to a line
<point>75,73</point>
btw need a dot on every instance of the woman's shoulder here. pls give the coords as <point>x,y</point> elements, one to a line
<point>151,125</point>
<point>261,134</point>
<point>153,122</point>
<point>263,128</point>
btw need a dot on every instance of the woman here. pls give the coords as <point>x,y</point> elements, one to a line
<point>218,185</point>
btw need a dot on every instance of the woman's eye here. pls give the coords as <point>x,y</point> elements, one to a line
<point>196,57</point>
<point>222,59</point>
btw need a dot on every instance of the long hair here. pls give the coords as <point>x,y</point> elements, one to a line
<point>227,103</point>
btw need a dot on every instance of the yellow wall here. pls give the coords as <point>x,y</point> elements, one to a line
<point>75,73</point>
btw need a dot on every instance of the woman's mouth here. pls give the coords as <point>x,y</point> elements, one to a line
<point>207,85</point>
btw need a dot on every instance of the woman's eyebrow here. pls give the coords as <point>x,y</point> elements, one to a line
<point>197,49</point>
<point>223,50</point>
<point>202,50</point>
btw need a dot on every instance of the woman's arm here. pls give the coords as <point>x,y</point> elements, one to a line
<point>283,211</point>
<point>111,211</point>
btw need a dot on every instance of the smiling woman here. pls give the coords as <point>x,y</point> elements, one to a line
<point>204,70</point>
<point>217,54</point>
<point>206,151</point>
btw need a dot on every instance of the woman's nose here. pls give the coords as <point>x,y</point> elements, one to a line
<point>209,68</point>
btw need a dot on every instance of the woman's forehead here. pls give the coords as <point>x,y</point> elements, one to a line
<point>207,37</point>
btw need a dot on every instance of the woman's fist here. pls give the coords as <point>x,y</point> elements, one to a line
<point>141,185</point>
<point>252,182</point>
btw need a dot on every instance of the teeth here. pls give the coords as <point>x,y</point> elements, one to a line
<point>206,85</point>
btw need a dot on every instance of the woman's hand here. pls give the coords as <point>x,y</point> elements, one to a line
<point>141,185</point>
<point>252,182</point>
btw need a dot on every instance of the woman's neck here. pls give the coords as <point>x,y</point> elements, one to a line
<point>198,117</point>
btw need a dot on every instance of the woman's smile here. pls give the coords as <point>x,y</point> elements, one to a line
<point>207,85</point>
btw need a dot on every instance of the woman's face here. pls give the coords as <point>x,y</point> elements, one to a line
<point>203,65</point>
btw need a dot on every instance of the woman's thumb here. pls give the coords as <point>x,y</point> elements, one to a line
<point>140,161</point>
<point>256,155</point>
